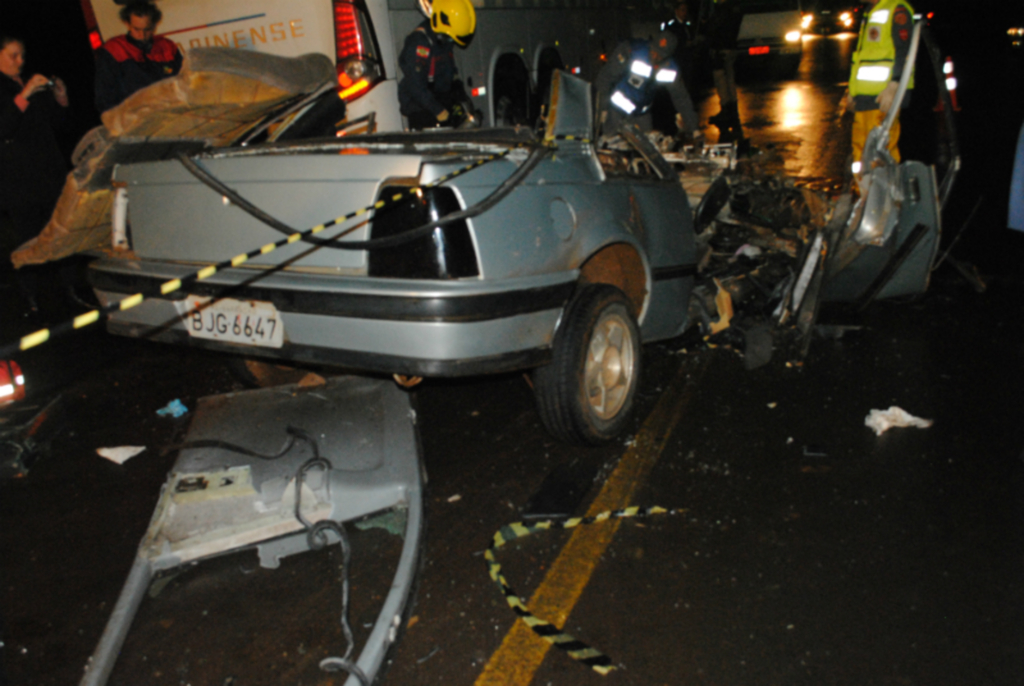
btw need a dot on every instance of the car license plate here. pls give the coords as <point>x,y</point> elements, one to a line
<point>249,322</point>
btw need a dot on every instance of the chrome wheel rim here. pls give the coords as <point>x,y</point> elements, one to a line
<point>610,366</point>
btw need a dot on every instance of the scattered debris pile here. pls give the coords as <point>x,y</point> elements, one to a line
<point>771,251</point>
<point>760,238</point>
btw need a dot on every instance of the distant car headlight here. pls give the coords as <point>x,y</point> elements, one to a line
<point>1016,32</point>
<point>808,18</point>
<point>793,36</point>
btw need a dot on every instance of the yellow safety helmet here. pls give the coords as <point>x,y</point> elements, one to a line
<point>454,18</point>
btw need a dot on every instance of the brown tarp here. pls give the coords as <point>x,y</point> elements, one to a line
<point>218,96</point>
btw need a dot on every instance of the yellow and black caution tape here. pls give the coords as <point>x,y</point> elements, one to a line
<point>576,649</point>
<point>83,320</point>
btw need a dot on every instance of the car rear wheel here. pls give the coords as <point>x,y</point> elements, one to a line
<point>585,395</point>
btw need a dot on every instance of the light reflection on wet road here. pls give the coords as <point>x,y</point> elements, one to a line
<point>797,116</point>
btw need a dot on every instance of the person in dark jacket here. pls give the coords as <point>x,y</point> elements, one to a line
<point>722,30</point>
<point>32,168</point>
<point>138,59</point>
<point>685,32</point>
<point>429,94</point>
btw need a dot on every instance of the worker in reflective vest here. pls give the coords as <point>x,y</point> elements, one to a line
<point>878,65</point>
<point>627,83</point>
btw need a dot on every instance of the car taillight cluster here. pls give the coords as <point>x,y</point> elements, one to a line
<point>12,382</point>
<point>357,64</point>
<point>447,253</point>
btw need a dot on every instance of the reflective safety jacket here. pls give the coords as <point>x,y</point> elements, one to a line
<point>634,93</point>
<point>876,62</point>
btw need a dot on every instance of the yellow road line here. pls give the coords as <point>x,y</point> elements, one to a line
<point>522,651</point>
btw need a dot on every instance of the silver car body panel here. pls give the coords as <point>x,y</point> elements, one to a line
<point>218,500</point>
<point>531,247</point>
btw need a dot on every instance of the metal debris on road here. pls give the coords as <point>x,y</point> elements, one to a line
<point>429,655</point>
<point>881,421</point>
<point>26,430</point>
<point>122,454</point>
<point>233,487</point>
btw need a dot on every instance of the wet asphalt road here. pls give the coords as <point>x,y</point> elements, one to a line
<point>808,551</point>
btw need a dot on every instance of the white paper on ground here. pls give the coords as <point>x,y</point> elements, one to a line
<point>122,454</point>
<point>883,420</point>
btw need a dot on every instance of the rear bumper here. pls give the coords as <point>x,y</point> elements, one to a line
<point>423,328</point>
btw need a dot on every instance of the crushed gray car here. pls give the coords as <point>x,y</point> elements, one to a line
<point>484,251</point>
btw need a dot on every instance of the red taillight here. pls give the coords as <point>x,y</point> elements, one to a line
<point>354,51</point>
<point>347,38</point>
<point>759,50</point>
<point>95,39</point>
<point>12,382</point>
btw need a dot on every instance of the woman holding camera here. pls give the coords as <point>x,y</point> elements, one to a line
<point>32,168</point>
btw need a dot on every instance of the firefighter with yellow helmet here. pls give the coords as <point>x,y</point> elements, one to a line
<point>429,93</point>
<point>878,65</point>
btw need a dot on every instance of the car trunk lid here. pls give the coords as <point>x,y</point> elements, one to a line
<point>173,216</point>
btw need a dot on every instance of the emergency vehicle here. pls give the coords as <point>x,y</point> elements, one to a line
<point>517,45</point>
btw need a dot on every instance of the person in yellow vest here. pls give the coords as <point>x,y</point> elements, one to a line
<point>878,64</point>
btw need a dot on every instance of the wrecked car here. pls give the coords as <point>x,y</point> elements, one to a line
<point>465,253</point>
<point>772,253</point>
<point>453,253</point>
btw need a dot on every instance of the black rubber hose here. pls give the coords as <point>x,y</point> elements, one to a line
<point>506,187</point>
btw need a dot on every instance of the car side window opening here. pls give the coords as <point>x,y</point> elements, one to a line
<point>511,91</point>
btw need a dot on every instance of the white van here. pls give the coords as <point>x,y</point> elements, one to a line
<point>772,29</point>
<point>518,43</point>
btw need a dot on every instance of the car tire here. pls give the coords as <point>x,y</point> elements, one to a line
<point>585,395</point>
